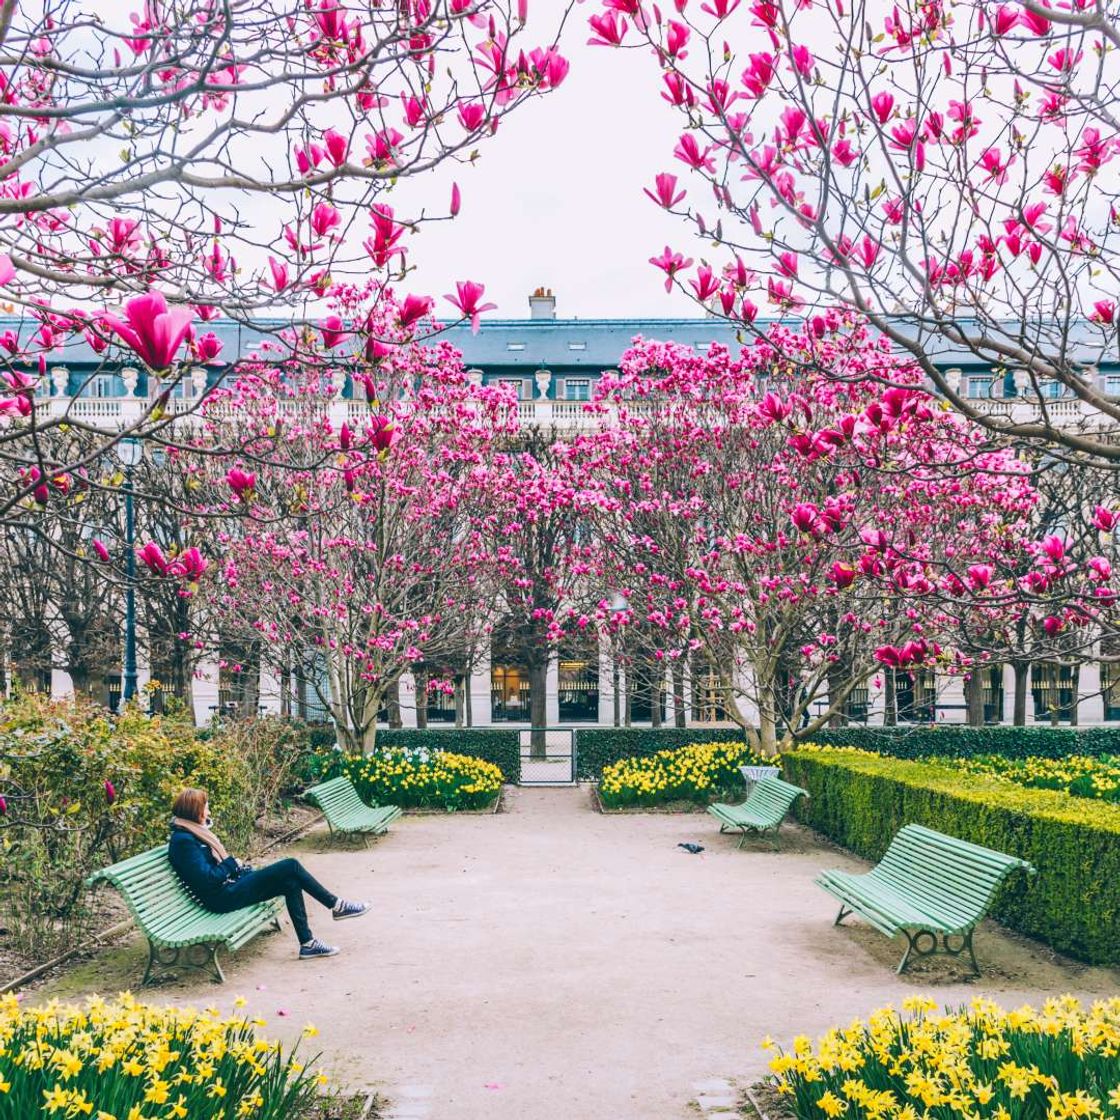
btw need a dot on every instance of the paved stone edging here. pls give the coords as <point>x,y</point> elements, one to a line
<point>717,1099</point>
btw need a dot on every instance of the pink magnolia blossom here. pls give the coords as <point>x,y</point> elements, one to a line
<point>670,263</point>
<point>242,483</point>
<point>151,330</point>
<point>151,555</point>
<point>466,297</point>
<point>100,550</point>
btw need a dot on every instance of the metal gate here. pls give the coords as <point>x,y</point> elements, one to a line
<point>548,756</point>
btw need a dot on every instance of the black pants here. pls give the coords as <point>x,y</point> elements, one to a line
<point>287,877</point>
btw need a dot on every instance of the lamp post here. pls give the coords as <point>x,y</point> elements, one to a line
<point>129,452</point>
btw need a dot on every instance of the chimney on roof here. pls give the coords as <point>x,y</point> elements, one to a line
<point>542,304</point>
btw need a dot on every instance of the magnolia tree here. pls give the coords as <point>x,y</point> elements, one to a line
<point>347,554</point>
<point>799,524</point>
<point>200,159</point>
<point>942,168</point>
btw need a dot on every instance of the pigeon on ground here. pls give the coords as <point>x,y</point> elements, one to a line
<point>695,849</point>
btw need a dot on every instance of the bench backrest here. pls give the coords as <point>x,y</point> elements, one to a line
<point>945,871</point>
<point>336,796</point>
<point>154,894</point>
<point>772,797</point>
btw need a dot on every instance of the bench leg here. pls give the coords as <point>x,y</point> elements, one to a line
<point>844,912</point>
<point>914,945</point>
<point>161,961</point>
<point>965,947</point>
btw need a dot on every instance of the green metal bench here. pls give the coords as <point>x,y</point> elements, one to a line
<point>928,885</point>
<point>347,814</point>
<point>181,932</point>
<point>766,806</point>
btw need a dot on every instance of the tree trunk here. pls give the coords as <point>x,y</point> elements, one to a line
<point>678,693</point>
<point>421,679</point>
<point>1075,685</point>
<point>286,690</point>
<point>974,698</point>
<point>538,710</point>
<point>393,704</point>
<point>468,703</point>
<point>656,677</point>
<point>628,707</point>
<point>767,719</point>
<point>836,684</point>
<point>1022,671</point>
<point>890,700</point>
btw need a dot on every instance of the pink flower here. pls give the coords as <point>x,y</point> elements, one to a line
<point>1104,312</point>
<point>610,29</point>
<point>152,331</point>
<point>666,187</point>
<point>152,556</point>
<point>1053,548</point>
<point>279,274</point>
<point>980,575</point>
<point>882,104</point>
<point>3,806</point>
<point>414,308</point>
<point>1052,625</point>
<point>338,147</point>
<point>190,565</point>
<point>110,792</point>
<point>242,483</point>
<point>7,270</point>
<point>456,199</point>
<point>345,437</point>
<point>1104,519</point>
<point>472,115</point>
<point>324,218</point>
<point>843,575</point>
<point>468,293</point>
<point>383,434</point>
<point>333,330</point>
<point>670,263</point>
<point>804,517</point>
<point>1100,567</point>
<point>101,550</point>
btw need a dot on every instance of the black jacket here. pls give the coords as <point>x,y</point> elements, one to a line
<point>197,865</point>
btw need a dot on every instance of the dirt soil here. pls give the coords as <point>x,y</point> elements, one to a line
<point>553,963</point>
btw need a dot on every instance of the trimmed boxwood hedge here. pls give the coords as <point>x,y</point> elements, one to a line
<point>597,747</point>
<point>963,742</point>
<point>1073,904</point>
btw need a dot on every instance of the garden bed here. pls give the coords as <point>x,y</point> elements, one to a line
<point>678,808</point>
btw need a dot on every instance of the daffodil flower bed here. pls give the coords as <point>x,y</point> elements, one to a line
<point>697,774</point>
<point>124,1060</point>
<point>1078,775</point>
<point>422,778</point>
<point>1056,1063</point>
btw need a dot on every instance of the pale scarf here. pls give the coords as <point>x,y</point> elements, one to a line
<point>201,832</point>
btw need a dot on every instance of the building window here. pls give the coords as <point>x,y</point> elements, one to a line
<point>517,384</point>
<point>102,385</point>
<point>578,683</point>
<point>979,388</point>
<point>577,389</point>
<point>707,692</point>
<point>515,345</point>
<point>1051,390</point>
<point>1111,384</point>
<point>915,696</point>
<point>1054,691</point>
<point>577,345</point>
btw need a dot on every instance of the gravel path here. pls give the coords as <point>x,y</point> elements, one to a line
<point>550,963</point>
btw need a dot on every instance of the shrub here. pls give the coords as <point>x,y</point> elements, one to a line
<point>698,773</point>
<point>963,742</point>
<point>861,800</point>
<point>122,1058</point>
<point>599,747</point>
<point>979,1061</point>
<point>421,778</point>
<point>84,788</point>
<point>1078,775</point>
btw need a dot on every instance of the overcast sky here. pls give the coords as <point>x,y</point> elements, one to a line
<point>556,198</point>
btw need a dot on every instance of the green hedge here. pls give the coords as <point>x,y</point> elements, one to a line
<point>963,742</point>
<point>1073,904</point>
<point>597,747</point>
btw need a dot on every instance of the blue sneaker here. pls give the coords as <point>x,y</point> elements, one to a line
<point>315,949</point>
<point>343,909</point>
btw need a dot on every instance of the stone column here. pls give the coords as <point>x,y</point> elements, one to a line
<point>205,692</point>
<point>408,700</point>
<point>480,685</point>
<point>1090,704</point>
<point>950,704</point>
<point>606,687</point>
<point>270,691</point>
<point>552,691</point>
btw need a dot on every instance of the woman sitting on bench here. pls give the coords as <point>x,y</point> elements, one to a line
<point>222,883</point>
